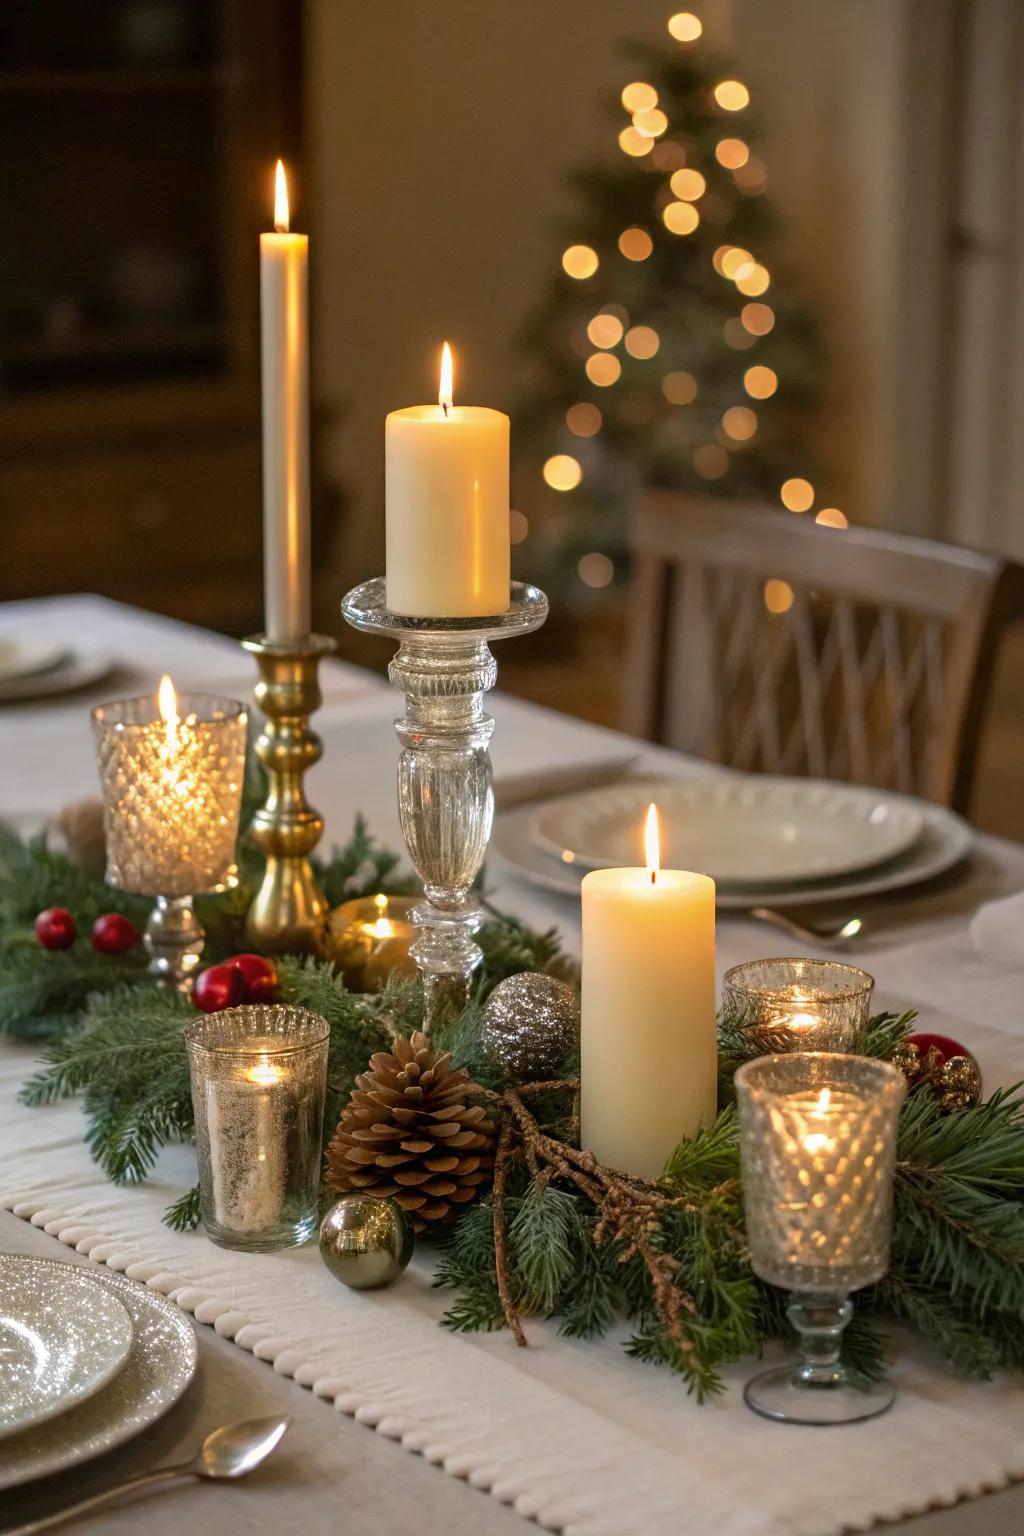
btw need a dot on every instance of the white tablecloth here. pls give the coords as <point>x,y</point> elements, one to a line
<point>570,1433</point>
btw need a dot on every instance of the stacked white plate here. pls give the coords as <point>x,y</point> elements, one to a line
<point>87,1359</point>
<point>765,841</point>
<point>35,669</point>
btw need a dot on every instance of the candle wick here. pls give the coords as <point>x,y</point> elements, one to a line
<point>444,406</point>
<point>654,876</point>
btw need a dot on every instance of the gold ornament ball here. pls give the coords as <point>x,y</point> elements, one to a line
<point>366,1243</point>
<point>958,1083</point>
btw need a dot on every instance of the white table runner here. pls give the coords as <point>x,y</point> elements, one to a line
<point>572,1434</point>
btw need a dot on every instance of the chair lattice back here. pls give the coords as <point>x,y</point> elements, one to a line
<point>875,670</point>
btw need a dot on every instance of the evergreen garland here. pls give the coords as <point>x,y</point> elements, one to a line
<point>956,1275</point>
<point>957,1270</point>
<point>46,993</point>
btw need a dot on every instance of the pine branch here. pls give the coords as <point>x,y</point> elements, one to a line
<point>959,1200</point>
<point>183,1214</point>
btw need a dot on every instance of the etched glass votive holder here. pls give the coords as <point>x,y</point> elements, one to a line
<point>259,1075</point>
<point>810,1005</point>
<point>172,775</point>
<point>818,1148</point>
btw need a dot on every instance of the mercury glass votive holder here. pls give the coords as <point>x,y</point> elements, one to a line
<point>818,1148</point>
<point>172,793</point>
<point>259,1076</point>
<point>812,1005</point>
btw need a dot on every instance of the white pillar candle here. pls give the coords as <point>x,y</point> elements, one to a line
<point>284,314</point>
<point>446,481</point>
<point>649,1056</point>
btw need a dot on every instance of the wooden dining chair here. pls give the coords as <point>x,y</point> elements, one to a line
<point>766,642</point>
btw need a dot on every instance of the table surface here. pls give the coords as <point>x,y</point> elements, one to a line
<point>344,1474</point>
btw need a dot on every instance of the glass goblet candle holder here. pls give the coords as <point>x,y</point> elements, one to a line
<point>171,770</point>
<point>800,1005</point>
<point>259,1075</point>
<point>818,1147</point>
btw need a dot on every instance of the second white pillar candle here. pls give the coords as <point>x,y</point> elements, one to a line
<point>649,1055</point>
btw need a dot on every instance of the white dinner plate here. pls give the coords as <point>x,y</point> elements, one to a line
<point>61,1339</point>
<point>945,840</point>
<point>23,658</point>
<point>77,669</point>
<point>160,1365</point>
<point>741,830</point>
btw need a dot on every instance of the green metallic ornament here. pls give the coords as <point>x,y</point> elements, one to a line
<point>365,1242</point>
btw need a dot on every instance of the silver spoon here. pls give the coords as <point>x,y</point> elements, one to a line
<point>834,932</point>
<point>231,1451</point>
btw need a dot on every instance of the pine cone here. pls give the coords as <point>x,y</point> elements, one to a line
<point>407,1133</point>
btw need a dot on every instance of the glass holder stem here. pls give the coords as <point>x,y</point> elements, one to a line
<point>445,795</point>
<point>819,1322</point>
<point>174,939</point>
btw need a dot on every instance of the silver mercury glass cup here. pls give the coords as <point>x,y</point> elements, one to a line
<point>818,1148</point>
<point>445,794</point>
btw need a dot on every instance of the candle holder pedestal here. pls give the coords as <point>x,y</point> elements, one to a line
<point>289,904</point>
<point>445,796</point>
<point>174,940</point>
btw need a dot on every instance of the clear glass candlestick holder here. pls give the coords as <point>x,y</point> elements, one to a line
<point>818,1148</point>
<point>259,1076</point>
<point>798,1005</point>
<point>172,793</point>
<point>445,795</point>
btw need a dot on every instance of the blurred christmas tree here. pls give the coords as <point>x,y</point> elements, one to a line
<point>666,353</point>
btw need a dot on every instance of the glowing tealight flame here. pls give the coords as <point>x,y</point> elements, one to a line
<point>264,1073</point>
<point>383,928</point>
<point>167,703</point>
<point>652,842</point>
<point>824,1100</point>
<point>444,393</point>
<point>280,199</point>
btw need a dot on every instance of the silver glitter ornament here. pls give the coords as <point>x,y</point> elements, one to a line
<point>531,1024</point>
<point>366,1243</point>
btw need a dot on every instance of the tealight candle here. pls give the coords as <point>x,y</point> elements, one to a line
<point>258,1083</point>
<point>818,1149</point>
<point>813,1005</point>
<point>369,939</point>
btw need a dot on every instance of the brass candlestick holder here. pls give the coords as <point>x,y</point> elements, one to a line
<point>289,904</point>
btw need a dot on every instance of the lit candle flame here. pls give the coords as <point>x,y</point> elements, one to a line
<point>264,1073</point>
<point>652,842</point>
<point>824,1100</point>
<point>383,928</point>
<point>167,702</point>
<point>444,393</point>
<point>280,199</point>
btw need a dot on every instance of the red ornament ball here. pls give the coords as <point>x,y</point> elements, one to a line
<point>259,977</point>
<point>220,986</point>
<point>113,934</point>
<point>55,928</point>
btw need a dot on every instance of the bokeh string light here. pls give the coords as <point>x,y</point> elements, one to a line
<point>648,133</point>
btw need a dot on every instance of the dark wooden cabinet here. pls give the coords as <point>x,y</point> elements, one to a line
<point>139,139</point>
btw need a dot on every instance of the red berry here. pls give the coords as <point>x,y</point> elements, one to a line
<point>221,986</point>
<point>259,977</point>
<point>113,934</point>
<point>55,928</point>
